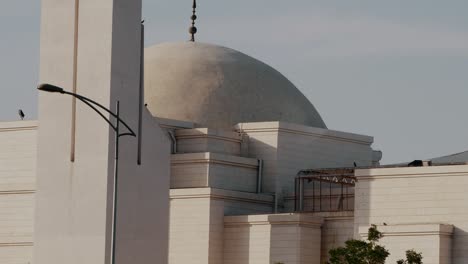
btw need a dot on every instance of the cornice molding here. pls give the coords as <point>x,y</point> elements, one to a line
<point>213,158</point>
<point>302,220</point>
<point>17,244</point>
<point>412,230</point>
<point>217,137</point>
<point>7,192</point>
<point>228,195</point>
<point>18,126</point>
<point>279,127</point>
<point>409,175</point>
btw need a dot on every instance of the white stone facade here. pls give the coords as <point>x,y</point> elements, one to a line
<point>217,216</point>
<point>418,196</point>
<point>210,180</point>
<point>18,142</point>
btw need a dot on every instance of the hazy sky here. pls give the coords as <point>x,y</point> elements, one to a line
<point>396,70</point>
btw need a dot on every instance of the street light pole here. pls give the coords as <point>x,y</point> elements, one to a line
<point>92,104</point>
<point>116,182</point>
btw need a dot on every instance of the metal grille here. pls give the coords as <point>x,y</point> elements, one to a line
<point>324,190</point>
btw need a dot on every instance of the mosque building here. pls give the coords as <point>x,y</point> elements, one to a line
<point>230,163</point>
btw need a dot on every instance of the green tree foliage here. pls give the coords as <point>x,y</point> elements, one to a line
<point>368,252</point>
<point>361,252</point>
<point>412,257</point>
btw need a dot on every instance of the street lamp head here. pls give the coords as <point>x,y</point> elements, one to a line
<point>50,88</point>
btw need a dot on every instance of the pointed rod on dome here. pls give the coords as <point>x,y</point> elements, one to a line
<point>193,29</point>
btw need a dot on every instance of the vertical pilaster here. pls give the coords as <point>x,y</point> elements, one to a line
<point>97,54</point>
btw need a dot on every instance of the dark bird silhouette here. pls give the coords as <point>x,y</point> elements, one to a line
<point>355,165</point>
<point>21,114</point>
<point>384,224</point>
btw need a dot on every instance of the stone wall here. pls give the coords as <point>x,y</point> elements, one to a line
<point>196,233</point>
<point>336,230</point>
<point>416,195</point>
<point>433,240</point>
<point>17,190</point>
<point>208,140</point>
<point>288,148</point>
<point>279,238</point>
<point>195,170</point>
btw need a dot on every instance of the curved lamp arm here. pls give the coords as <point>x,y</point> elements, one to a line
<point>89,102</point>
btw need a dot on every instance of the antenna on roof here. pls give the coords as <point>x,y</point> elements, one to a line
<point>193,29</point>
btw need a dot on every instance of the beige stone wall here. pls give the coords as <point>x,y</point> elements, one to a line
<point>288,148</point>
<point>301,147</point>
<point>208,140</point>
<point>17,190</point>
<point>246,207</point>
<point>247,244</point>
<point>197,221</point>
<point>265,239</point>
<point>189,231</point>
<point>214,170</point>
<point>432,240</point>
<point>416,195</point>
<point>263,144</point>
<point>336,229</point>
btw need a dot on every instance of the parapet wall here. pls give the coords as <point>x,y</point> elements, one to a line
<point>288,148</point>
<point>416,197</point>
<point>18,146</point>
<point>265,239</point>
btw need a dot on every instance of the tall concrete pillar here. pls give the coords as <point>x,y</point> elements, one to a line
<point>92,47</point>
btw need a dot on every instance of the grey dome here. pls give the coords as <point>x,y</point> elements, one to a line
<point>219,87</point>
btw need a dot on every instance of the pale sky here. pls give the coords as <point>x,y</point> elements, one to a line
<point>395,70</point>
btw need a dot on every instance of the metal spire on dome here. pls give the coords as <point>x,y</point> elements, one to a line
<point>193,29</point>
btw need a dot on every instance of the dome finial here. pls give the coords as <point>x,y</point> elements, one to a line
<point>193,29</point>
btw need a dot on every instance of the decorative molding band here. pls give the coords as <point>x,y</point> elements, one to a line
<point>19,125</point>
<point>289,223</point>
<point>10,129</point>
<point>301,220</point>
<point>415,233</point>
<point>248,224</point>
<point>238,199</point>
<point>208,193</point>
<point>317,197</point>
<point>173,124</point>
<point>428,233</point>
<point>412,230</point>
<point>305,133</point>
<point>188,137</point>
<point>7,192</point>
<point>299,223</point>
<point>338,218</point>
<point>221,197</point>
<point>178,159</point>
<point>410,175</point>
<point>18,244</point>
<point>211,161</point>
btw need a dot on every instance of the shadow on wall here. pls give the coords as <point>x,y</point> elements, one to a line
<point>458,245</point>
<point>362,200</point>
<point>263,148</point>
